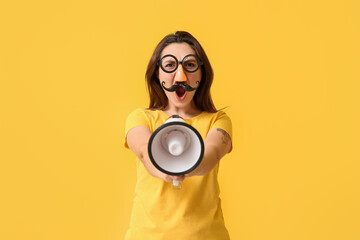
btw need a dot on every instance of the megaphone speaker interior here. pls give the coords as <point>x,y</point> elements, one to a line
<point>176,148</point>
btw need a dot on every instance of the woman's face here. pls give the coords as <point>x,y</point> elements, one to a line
<point>179,98</point>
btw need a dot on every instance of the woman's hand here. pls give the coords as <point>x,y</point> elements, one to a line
<point>170,178</point>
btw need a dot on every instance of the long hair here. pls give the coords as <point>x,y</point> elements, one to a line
<point>202,97</point>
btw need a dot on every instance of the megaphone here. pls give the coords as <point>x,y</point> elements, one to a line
<point>176,148</point>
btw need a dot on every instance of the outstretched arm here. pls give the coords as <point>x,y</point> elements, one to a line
<point>137,139</point>
<point>217,144</point>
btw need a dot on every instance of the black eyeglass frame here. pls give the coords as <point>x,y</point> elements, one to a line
<point>159,63</point>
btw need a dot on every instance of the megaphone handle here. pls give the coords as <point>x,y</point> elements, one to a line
<point>176,185</point>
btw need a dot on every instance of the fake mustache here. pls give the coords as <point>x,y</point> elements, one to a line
<point>173,88</point>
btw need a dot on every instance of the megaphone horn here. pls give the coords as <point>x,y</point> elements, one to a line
<point>176,148</point>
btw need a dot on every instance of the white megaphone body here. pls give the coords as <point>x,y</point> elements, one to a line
<point>176,148</point>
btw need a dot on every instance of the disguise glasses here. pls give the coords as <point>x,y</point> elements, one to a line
<point>190,63</point>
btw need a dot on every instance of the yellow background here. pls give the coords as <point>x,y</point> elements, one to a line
<point>288,71</point>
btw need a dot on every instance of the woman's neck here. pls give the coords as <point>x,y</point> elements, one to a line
<point>189,111</point>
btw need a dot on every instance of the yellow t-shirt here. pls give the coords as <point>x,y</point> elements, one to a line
<point>192,213</point>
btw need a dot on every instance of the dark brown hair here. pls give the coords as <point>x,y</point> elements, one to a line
<point>202,97</point>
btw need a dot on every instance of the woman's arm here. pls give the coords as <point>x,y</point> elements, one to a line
<point>137,139</point>
<point>217,144</point>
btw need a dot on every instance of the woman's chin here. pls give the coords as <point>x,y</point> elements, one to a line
<point>186,103</point>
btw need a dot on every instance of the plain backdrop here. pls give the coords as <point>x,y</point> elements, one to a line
<point>287,71</point>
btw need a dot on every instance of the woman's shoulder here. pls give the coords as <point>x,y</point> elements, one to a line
<point>137,112</point>
<point>215,115</point>
<point>145,112</point>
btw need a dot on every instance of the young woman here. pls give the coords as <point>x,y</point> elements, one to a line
<point>179,77</point>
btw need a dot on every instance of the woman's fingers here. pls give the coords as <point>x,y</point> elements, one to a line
<point>178,178</point>
<point>170,178</point>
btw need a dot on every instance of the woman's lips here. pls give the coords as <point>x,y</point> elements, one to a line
<point>180,94</point>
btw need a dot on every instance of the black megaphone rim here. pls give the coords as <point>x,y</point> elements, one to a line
<point>167,125</point>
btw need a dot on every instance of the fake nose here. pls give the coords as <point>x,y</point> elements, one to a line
<point>180,75</point>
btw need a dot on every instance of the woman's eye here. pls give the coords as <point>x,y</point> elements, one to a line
<point>190,64</point>
<point>169,65</point>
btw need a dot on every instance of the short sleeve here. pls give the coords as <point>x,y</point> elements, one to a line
<point>223,122</point>
<point>136,118</point>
